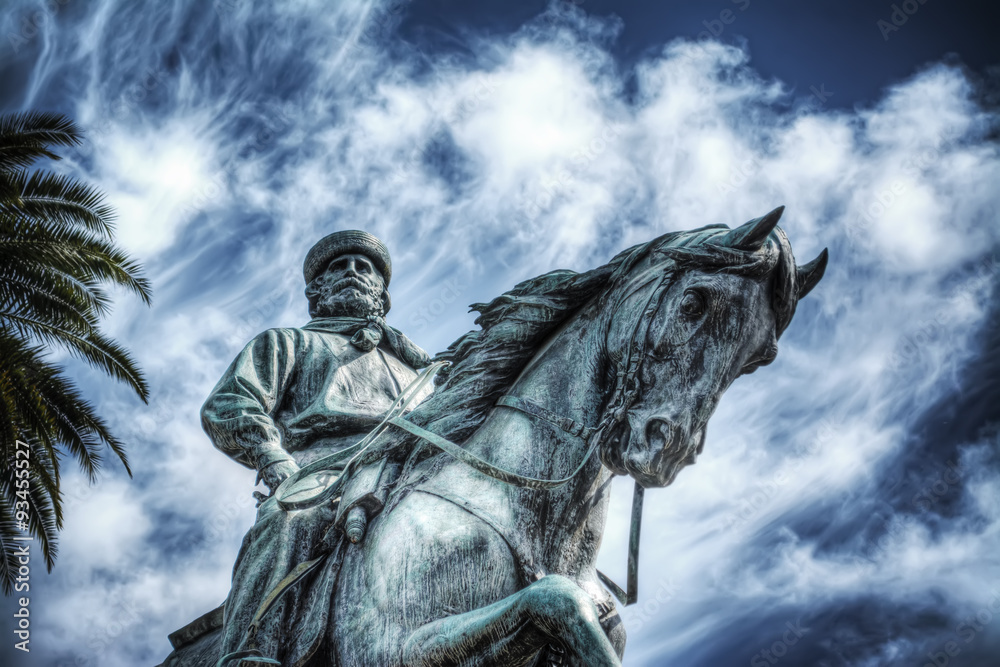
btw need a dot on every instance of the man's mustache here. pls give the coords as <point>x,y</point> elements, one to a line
<point>344,283</point>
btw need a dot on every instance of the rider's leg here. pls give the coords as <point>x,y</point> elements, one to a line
<point>277,542</point>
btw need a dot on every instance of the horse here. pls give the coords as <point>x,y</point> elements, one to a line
<point>630,360</point>
<point>485,554</point>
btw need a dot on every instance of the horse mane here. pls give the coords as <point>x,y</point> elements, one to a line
<point>486,361</point>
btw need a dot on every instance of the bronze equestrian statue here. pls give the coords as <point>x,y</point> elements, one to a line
<point>465,530</point>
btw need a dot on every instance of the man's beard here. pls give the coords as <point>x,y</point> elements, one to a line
<point>348,297</point>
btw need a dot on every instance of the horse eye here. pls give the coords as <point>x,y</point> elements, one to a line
<point>692,303</point>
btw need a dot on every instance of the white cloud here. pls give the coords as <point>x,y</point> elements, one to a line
<point>155,176</point>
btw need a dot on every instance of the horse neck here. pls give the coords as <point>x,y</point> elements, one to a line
<point>567,376</point>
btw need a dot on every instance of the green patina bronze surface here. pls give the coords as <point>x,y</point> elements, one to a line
<point>453,562</point>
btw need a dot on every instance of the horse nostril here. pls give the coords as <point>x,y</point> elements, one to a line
<point>659,433</point>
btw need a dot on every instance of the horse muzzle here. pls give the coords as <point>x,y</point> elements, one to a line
<point>665,447</point>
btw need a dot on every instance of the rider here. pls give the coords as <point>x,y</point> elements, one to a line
<point>295,395</point>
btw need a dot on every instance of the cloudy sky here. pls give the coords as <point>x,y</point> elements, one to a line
<point>847,508</point>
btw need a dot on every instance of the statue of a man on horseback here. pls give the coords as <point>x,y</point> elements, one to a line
<point>479,514</point>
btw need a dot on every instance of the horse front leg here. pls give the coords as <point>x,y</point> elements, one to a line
<point>514,629</point>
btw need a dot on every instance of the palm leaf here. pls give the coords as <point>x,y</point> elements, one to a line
<point>20,274</point>
<point>8,531</point>
<point>71,250</point>
<point>61,307</point>
<point>37,390</point>
<point>57,254</point>
<point>56,200</point>
<point>94,348</point>
<point>25,137</point>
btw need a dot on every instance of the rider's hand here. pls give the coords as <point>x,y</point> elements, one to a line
<point>275,473</point>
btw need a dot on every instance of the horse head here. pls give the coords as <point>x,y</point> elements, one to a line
<point>695,311</point>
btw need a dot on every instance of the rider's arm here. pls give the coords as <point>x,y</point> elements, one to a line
<point>238,414</point>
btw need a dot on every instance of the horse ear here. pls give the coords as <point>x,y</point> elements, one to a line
<point>807,275</point>
<point>751,235</point>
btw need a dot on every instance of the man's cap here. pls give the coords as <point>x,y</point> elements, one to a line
<point>344,243</point>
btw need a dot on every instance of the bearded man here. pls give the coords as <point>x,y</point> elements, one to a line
<point>293,396</point>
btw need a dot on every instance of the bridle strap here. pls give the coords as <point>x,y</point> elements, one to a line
<point>632,594</point>
<point>529,407</point>
<point>625,392</point>
<point>486,467</point>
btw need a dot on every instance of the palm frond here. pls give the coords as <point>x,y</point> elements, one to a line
<point>20,156</point>
<point>8,546</point>
<point>27,136</point>
<point>95,349</point>
<point>56,303</point>
<point>56,199</point>
<point>73,251</point>
<point>32,387</point>
<point>38,498</point>
<point>24,272</point>
<point>57,255</point>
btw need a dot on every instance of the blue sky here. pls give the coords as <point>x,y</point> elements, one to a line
<point>849,494</point>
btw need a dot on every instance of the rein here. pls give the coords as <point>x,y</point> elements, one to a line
<point>487,468</point>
